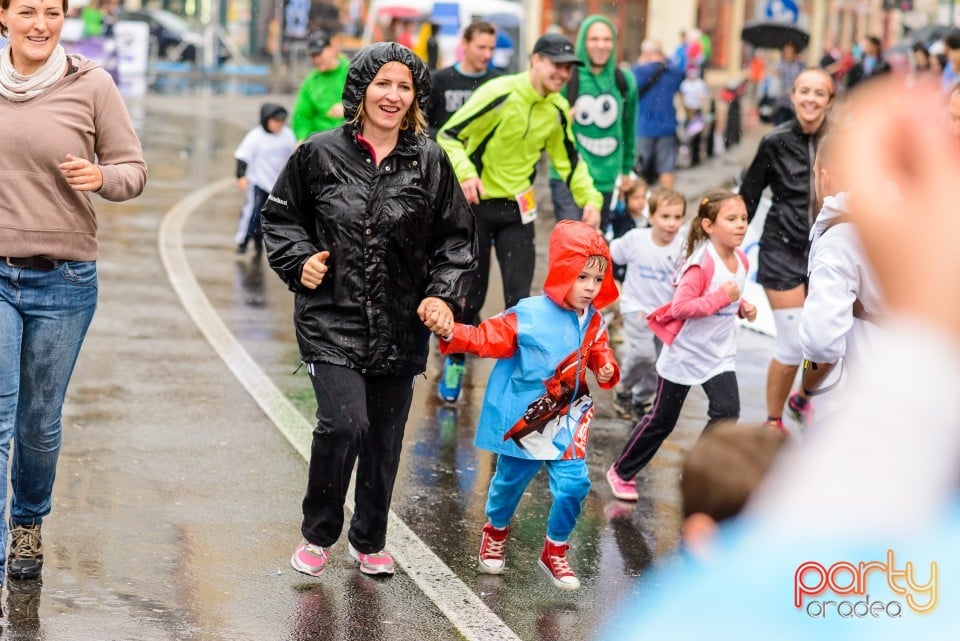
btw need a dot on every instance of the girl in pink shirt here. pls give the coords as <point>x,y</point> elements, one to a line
<point>699,334</point>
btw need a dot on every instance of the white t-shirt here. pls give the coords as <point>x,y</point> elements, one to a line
<point>705,346</point>
<point>266,155</point>
<point>648,284</point>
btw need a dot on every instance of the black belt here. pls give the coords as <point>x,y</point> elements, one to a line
<point>31,262</point>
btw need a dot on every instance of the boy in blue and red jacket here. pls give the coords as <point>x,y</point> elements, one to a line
<point>537,407</point>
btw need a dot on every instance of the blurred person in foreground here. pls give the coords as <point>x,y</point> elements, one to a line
<point>66,133</point>
<point>877,484</point>
<point>953,112</point>
<point>368,227</point>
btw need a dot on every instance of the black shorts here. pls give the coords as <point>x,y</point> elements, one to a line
<point>781,267</point>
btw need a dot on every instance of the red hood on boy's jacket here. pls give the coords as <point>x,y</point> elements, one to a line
<point>571,244</point>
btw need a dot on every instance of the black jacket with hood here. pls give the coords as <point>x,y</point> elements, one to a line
<point>396,234</point>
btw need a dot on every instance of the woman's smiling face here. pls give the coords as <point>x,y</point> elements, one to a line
<point>388,98</point>
<point>33,27</point>
<point>811,97</point>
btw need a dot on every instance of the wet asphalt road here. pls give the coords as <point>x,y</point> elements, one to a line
<point>177,499</point>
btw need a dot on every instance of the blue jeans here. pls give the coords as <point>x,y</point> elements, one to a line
<point>569,484</point>
<point>44,316</point>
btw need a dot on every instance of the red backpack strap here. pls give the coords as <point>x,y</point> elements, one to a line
<point>707,268</point>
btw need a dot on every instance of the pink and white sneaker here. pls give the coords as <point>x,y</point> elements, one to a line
<point>309,558</point>
<point>623,490</point>
<point>374,563</point>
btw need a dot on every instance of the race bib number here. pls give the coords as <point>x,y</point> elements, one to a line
<point>528,205</point>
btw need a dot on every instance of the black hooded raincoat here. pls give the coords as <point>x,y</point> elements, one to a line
<point>396,233</point>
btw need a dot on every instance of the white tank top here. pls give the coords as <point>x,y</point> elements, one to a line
<point>705,346</point>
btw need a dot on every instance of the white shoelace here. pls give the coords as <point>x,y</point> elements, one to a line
<point>560,566</point>
<point>494,548</point>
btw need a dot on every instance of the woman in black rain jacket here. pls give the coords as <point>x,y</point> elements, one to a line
<point>368,226</point>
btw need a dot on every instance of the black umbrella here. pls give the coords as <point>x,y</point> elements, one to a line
<point>774,35</point>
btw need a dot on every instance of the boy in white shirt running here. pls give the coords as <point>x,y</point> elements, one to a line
<point>651,255</point>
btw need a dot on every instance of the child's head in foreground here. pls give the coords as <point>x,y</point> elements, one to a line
<point>721,472</point>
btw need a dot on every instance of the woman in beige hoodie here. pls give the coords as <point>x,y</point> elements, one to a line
<point>65,132</point>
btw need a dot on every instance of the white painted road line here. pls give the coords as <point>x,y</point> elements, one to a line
<point>468,613</point>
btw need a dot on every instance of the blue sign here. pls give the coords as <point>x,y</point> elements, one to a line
<point>782,11</point>
<point>447,15</point>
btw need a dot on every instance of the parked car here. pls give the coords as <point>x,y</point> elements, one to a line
<point>173,38</point>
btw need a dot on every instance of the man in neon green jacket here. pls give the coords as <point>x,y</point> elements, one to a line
<point>494,142</point>
<point>318,106</point>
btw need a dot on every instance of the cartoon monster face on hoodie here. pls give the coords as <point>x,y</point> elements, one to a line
<point>572,243</point>
<point>603,117</point>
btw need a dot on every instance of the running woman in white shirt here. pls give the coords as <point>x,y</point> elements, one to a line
<point>698,329</point>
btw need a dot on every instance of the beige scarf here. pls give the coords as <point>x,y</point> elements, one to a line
<point>19,88</point>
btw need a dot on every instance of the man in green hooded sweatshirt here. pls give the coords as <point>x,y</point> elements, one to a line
<point>603,100</point>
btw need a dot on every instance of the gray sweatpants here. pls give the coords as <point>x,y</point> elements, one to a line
<point>638,358</point>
